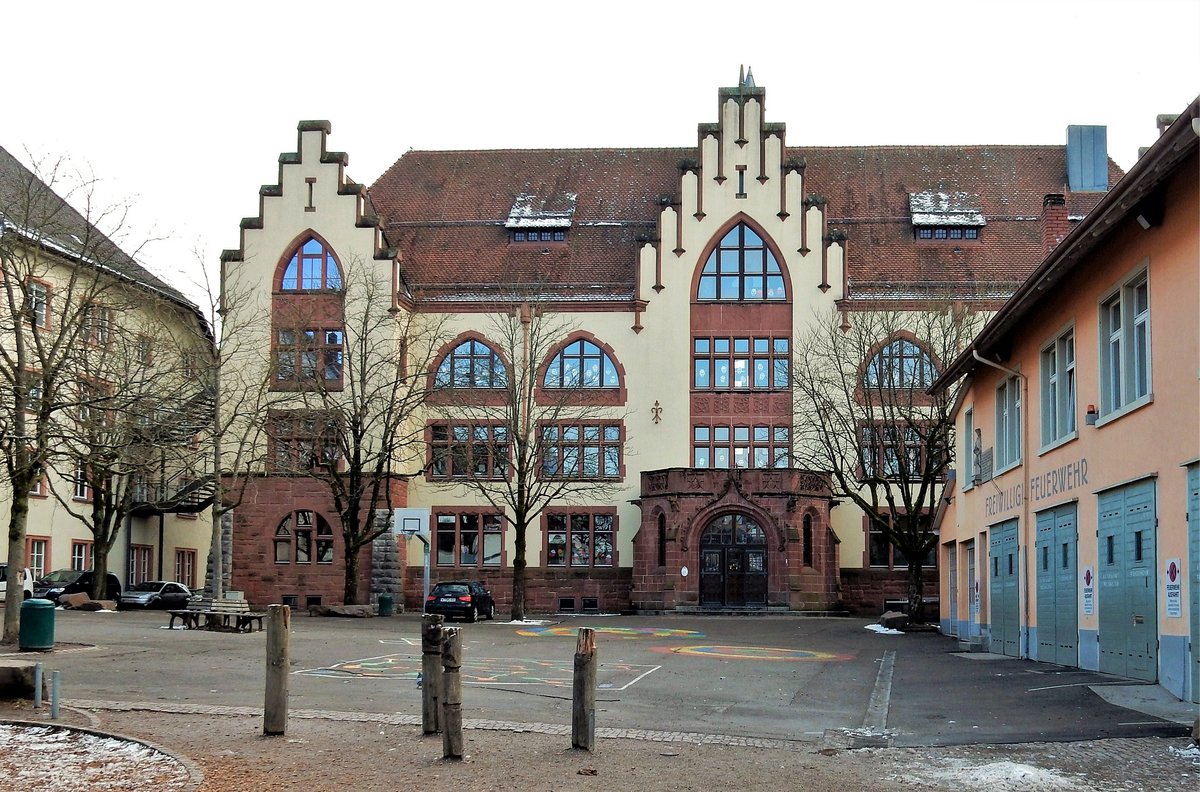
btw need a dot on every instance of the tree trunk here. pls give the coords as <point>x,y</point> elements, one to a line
<point>18,516</point>
<point>518,595</point>
<point>350,593</point>
<point>916,592</point>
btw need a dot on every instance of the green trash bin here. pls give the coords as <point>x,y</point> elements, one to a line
<point>37,625</point>
<point>387,605</point>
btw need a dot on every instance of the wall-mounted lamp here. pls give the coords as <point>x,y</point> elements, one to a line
<point>1091,416</point>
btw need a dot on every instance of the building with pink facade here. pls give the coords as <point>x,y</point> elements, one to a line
<point>1073,533</point>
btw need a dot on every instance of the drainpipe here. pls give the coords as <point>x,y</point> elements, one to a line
<point>1022,548</point>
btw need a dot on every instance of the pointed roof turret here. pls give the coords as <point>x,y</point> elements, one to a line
<point>748,81</point>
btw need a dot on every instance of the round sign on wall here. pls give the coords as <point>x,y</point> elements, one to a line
<point>683,572</point>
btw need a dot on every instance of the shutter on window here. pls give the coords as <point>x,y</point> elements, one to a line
<point>985,465</point>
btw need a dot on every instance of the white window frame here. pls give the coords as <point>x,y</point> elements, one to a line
<point>38,298</point>
<point>1059,390</point>
<point>1125,375</point>
<point>969,465</point>
<point>1008,424</point>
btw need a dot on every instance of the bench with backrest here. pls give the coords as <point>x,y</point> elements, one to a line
<point>218,615</point>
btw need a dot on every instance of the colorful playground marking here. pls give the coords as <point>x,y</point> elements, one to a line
<point>752,653</point>
<point>488,671</point>
<point>616,632</point>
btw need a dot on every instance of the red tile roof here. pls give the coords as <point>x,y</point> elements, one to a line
<point>444,211</point>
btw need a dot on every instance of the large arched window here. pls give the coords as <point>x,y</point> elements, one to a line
<point>471,364</point>
<point>581,364</point>
<point>902,364</point>
<point>295,541</point>
<point>741,268</point>
<point>312,267</point>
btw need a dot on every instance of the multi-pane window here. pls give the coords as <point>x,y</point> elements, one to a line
<point>1125,350</point>
<point>902,364</point>
<point>97,322</point>
<point>882,553</point>
<point>968,463</point>
<point>33,392</point>
<point>185,567</point>
<point>81,555</point>
<point>469,539</point>
<point>741,267</point>
<point>581,450</point>
<point>468,451</point>
<point>758,446</point>
<point>300,441</point>
<point>308,356</point>
<point>138,564</point>
<point>581,364</point>
<point>37,550</point>
<point>947,232</point>
<point>312,267</point>
<point>471,364</point>
<point>38,303</point>
<point>302,537</point>
<point>1008,423</point>
<point>890,451</point>
<point>554,235</point>
<point>1058,388</point>
<point>579,540</point>
<point>740,363</point>
<point>81,488</point>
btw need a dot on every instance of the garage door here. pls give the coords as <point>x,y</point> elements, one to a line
<point>1005,568</point>
<point>1057,606</point>
<point>1127,598</point>
<point>1193,517</point>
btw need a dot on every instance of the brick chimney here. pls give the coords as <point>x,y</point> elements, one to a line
<point>1055,225</point>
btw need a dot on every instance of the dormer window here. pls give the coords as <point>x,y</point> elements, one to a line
<point>539,219</point>
<point>555,235</point>
<point>941,216</point>
<point>947,232</point>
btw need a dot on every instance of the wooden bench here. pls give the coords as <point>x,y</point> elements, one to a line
<point>218,621</point>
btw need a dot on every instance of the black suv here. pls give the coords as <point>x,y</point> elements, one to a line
<point>465,598</point>
<point>72,581</point>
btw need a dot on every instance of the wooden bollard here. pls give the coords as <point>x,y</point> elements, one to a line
<point>452,733</point>
<point>431,671</point>
<point>275,705</point>
<point>583,698</point>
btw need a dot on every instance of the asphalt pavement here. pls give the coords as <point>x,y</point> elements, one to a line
<point>808,680</point>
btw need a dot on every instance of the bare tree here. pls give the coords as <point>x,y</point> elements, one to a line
<point>236,394</point>
<point>863,414</point>
<point>349,420</point>
<point>131,411</point>
<point>511,441</point>
<point>56,264</point>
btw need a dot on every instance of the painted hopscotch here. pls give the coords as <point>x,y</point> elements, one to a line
<point>506,671</point>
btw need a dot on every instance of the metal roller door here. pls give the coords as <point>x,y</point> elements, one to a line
<point>1126,569</point>
<point>1004,569</point>
<point>1057,604</point>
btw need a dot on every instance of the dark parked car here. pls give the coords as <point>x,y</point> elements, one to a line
<point>156,594</point>
<point>467,599</point>
<point>72,581</point>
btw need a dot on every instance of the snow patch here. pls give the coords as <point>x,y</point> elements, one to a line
<point>879,628</point>
<point>1005,776</point>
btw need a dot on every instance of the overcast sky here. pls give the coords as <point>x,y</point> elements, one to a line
<point>184,108</point>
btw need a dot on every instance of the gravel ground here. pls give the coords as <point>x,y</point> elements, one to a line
<point>231,755</point>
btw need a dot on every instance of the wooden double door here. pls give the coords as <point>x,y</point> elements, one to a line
<point>733,563</point>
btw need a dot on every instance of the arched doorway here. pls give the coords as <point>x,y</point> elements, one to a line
<point>733,562</point>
